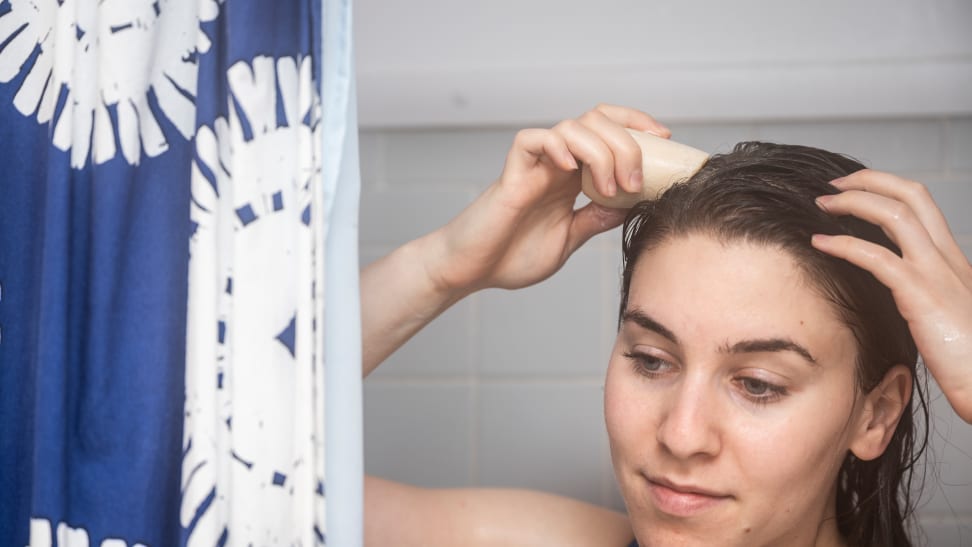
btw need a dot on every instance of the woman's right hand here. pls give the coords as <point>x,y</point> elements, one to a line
<point>524,226</point>
<point>518,232</point>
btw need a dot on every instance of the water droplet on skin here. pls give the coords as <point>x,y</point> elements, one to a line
<point>949,333</point>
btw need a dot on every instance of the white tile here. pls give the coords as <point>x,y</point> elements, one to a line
<point>959,143</point>
<point>965,242</point>
<point>610,299</point>
<point>945,533</point>
<point>370,253</point>
<point>446,156</point>
<point>948,470</point>
<point>417,434</point>
<point>546,437</point>
<point>713,138</point>
<point>888,145</point>
<point>554,328</point>
<point>954,198</point>
<point>397,215</point>
<point>443,348</point>
<point>371,157</point>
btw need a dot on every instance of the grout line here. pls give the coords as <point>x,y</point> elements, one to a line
<point>951,146</point>
<point>924,175</point>
<point>415,182</point>
<point>609,292</point>
<point>944,133</point>
<point>474,360</point>
<point>466,380</point>
<point>558,381</point>
<point>925,519</point>
<point>381,162</point>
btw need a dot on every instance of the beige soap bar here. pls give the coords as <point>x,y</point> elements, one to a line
<point>663,163</point>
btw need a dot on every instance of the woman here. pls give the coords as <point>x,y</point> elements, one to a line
<point>756,383</point>
<point>752,396</point>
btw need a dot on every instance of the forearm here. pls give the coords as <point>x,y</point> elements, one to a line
<point>399,296</point>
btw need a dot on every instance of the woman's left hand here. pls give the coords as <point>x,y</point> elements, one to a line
<point>931,281</point>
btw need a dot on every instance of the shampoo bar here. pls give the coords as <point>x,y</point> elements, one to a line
<point>663,163</point>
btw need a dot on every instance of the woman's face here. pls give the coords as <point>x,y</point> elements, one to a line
<point>729,398</point>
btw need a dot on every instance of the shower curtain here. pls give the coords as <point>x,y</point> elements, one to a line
<point>178,267</point>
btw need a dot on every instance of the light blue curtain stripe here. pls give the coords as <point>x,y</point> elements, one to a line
<point>342,315</point>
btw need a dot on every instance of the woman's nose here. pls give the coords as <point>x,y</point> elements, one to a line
<point>689,424</point>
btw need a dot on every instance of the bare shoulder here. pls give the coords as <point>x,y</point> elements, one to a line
<point>402,515</point>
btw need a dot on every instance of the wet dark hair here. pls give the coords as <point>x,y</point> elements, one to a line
<point>764,194</point>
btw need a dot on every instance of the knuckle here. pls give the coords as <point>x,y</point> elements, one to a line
<point>862,176</point>
<point>591,116</point>
<point>630,151</point>
<point>522,136</point>
<point>899,212</point>
<point>879,257</point>
<point>567,125</point>
<point>915,190</point>
<point>883,257</point>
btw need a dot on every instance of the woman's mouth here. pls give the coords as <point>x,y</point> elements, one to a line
<point>683,500</point>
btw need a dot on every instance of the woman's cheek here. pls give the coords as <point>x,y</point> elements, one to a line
<point>629,410</point>
<point>620,405</point>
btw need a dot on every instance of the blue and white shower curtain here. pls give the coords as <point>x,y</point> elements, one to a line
<point>169,176</point>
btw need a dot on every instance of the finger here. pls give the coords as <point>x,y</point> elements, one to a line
<point>532,145</point>
<point>918,198</point>
<point>590,148</point>
<point>626,152</point>
<point>895,218</point>
<point>883,264</point>
<point>591,220</point>
<point>635,119</point>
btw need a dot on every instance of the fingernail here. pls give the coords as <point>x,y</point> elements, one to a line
<point>822,201</point>
<point>837,182</point>
<point>571,161</point>
<point>636,180</point>
<point>612,188</point>
<point>819,238</point>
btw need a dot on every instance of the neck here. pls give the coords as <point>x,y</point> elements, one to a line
<point>828,535</point>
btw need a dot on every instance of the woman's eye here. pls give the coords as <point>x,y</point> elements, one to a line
<point>761,391</point>
<point>755,387</point>
<point>647,364</point>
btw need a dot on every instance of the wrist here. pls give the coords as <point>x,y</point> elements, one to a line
<point>437,263</point>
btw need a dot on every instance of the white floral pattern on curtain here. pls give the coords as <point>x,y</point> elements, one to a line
<point>165,226</point>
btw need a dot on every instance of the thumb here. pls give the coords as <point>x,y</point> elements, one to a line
<point>591,220</point>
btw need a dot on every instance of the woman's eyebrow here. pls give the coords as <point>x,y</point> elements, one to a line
<point>770,345</point>
<point>644,321</point>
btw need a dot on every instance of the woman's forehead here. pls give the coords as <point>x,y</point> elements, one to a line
<point>698,282</point>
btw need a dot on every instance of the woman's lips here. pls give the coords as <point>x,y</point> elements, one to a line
<point>682,500</point>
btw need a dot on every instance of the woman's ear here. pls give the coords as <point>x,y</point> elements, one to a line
<point>881,412</point>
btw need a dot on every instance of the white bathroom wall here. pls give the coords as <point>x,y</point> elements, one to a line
<point>505,388</point>
<point>466,62</point>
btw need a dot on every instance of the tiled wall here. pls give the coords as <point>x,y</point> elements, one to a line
<point>505,388</point>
